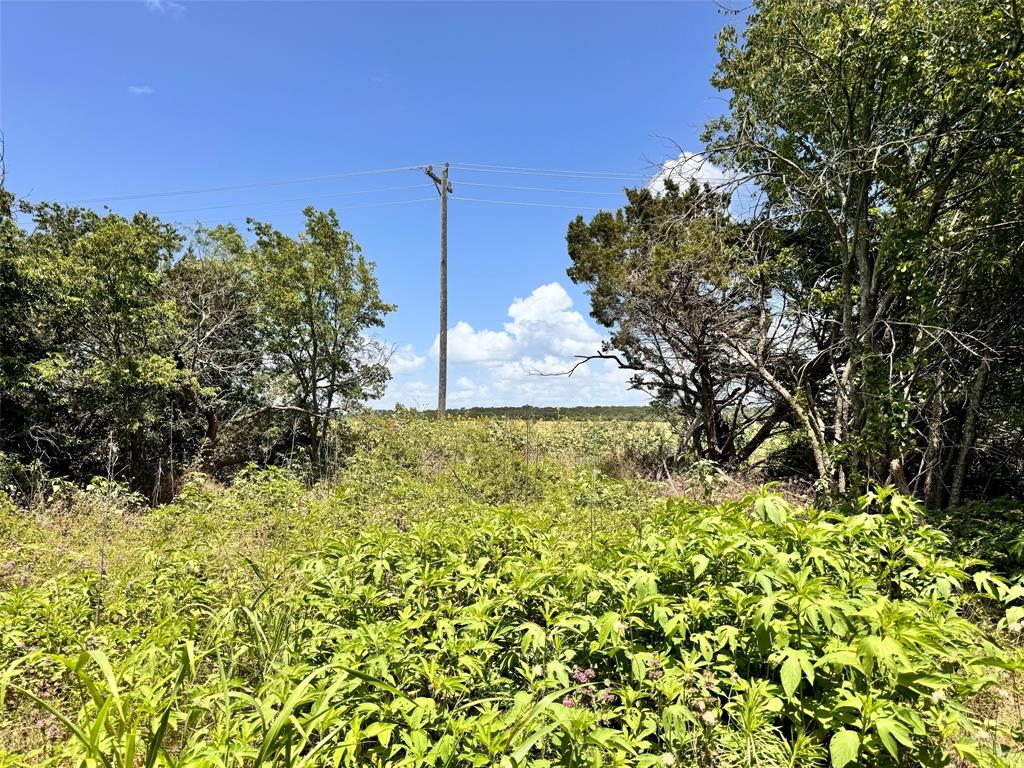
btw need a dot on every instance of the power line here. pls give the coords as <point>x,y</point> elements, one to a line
<point>548,172</point>
<point>253,185</point>
<point>471,167</point>
<point>340,208</point>
<point>291,199</point>
<point>539,189</point>
<point>532,205</point>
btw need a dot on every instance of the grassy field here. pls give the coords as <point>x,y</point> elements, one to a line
<point>484,593</point>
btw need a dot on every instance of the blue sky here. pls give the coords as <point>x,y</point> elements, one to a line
<point>109,100</point>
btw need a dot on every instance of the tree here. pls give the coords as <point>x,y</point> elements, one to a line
<point>92,381</point>
<point>317,297</point>
<point>887,137</point>
<point>669,276</point>
<point>133,352</point>
<point>218,341</point>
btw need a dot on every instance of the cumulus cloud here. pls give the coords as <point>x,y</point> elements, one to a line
<point>543,335</point>
<point>141,90</point>
<point>688,167</point>
<point>468,345</point>
<point>543,323</point>
<point>405,360</point>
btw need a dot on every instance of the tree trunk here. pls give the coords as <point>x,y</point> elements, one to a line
<point>210,441</point>
<point>931,463</point>
<point>969,434</point>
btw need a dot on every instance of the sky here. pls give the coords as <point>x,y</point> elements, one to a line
<point>216,111</point>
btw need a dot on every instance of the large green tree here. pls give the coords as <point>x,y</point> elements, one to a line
<point>318,297</point>
<point>888,133</point>
<point>669,275</point>
<point>218,341</point>
<point>133,352</point>
<point>881,141</point>
<point>91,391</point>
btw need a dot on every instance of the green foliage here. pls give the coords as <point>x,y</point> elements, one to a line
<point>90,381</point>
<point>457,600</point>
<point>317,298</point>
<point>991,531</point>
<point>131,354</point>
<point>667,275</point>
<point>885,136</point>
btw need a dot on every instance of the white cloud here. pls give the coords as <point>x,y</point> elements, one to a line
<point>140,90</point>
<point>405,360</point>
<point>517,365</point>
<point>688,167</point>
<point>467,345</point>
<point>544,322</point>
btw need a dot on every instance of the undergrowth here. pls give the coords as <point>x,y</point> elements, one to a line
<point>465,596</point>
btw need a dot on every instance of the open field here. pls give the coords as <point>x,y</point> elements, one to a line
<point>484,593</point>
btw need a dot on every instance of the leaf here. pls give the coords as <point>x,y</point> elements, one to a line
<point>523,748</point>
<point>843,657</point>
<point>284,717</point>
<point>375,682</point>
<point>380,731</point>
<point>891,731</point>
<point>700,564</point>
<point>790,675</point>
<point>843,748</point>
<point>608,627</point>
<point>772,508</point>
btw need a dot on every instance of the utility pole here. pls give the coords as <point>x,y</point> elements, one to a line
<point>443,188</point>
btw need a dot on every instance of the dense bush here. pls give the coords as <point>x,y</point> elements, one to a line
<point>989,530</point>
<point>133,351</point>
<point>583,623</point>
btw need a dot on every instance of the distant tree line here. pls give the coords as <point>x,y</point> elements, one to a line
<point>552,413</point>
<point>135,351</point>
<point>857,284</point>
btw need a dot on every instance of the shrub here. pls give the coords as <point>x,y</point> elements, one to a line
<point>561,632</point>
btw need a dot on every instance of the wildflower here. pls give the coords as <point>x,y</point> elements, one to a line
<point>668,759</point>
<point>569,702</point>
<point>710,717</point>
<point>538,671</point>
<point>699,705</point>
<point>607,697</point>
<point>583,676</point>
<point>655,671</point>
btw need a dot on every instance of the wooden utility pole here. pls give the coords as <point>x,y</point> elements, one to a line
<point>443,188</point>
